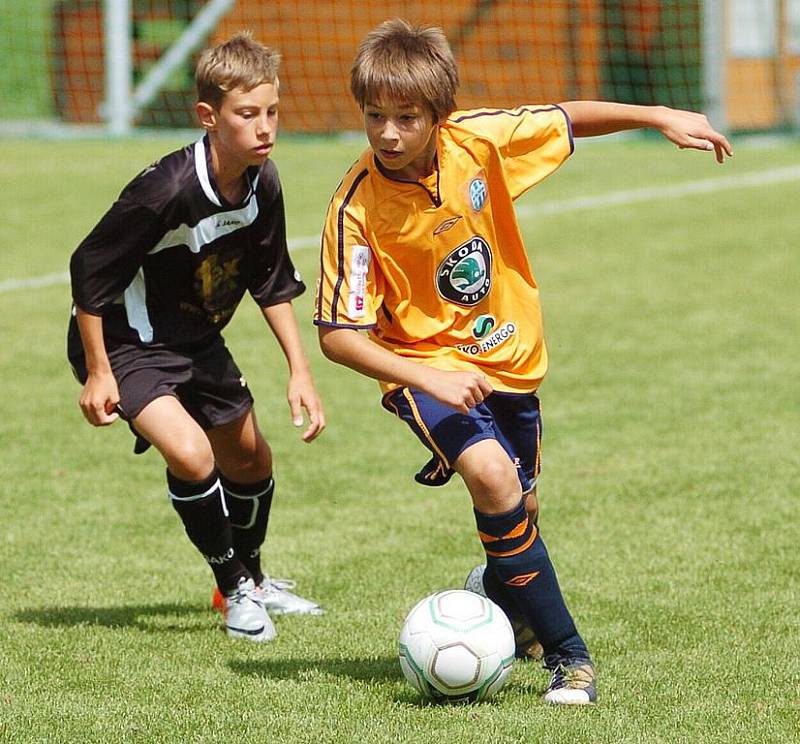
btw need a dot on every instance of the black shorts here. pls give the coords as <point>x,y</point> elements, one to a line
<point>205,380</point>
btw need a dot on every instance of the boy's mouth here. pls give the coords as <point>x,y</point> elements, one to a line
<point>391,154</point>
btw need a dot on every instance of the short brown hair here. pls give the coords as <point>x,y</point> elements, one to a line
<point>406,63</point>
<point>239,62</point>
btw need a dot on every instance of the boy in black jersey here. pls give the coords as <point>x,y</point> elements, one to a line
<point>154,284</point>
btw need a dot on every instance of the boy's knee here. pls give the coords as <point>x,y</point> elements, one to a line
<point>247,465</point>
<point>190,459</point>
<point>494,486</point>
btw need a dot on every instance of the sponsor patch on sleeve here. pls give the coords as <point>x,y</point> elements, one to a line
<point>359,266</point>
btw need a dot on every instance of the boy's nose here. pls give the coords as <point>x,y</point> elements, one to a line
<point>263,125</point>
<point>389,132</point>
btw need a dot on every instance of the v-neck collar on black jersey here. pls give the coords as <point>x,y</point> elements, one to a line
<point>251,174</point>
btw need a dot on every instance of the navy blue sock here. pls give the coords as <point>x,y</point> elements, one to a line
<point>201,508</point>
<point>248,510</point>
<point>518,558</point>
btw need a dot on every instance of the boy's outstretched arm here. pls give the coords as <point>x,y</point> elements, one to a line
<point>459,390</point>
<point>686,129</point>
<point>301,392</point>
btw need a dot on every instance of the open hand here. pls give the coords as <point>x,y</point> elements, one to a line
<point>302,394</point>
<point>690,130</point>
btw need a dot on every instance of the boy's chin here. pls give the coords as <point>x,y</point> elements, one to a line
<point>392,164</point>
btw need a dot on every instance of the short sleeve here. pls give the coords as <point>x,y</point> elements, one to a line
<point>349,290</point>
<point>273,278</point>
<point>533,141</point>
<point>106,261</point>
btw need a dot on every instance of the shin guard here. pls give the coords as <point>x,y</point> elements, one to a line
<point>249,505</point>
<point>201,507</point>
<point>518,558</point>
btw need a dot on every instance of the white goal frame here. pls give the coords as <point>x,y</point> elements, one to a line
<point>123,102</point>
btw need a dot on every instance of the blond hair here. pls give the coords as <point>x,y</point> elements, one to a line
<point>411,64</point>
<point>240,62</point>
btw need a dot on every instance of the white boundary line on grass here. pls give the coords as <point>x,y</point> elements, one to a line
<point>560,206</point>
<point>634,196</point>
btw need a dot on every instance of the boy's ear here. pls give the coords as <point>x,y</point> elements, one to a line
<point>206,115</point>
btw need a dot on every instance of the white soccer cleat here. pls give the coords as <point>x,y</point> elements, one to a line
<point>279,600</point>
<point>573,681</point>
<point>474,582</point>
<point>245,615</point>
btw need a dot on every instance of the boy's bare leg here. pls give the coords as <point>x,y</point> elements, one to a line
<point>184,446</point>
<point>490,477</point>
<point>241,452</point>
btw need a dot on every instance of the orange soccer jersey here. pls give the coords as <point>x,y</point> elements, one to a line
<point>436,269</point>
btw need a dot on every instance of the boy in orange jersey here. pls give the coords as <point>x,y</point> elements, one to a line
<point>422,249</point>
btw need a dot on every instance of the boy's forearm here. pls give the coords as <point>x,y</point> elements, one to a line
<point>349,347</point>
<point>593,118</point>
<point>94,347</point>
<point>282,322</point>
<point>686,129</point>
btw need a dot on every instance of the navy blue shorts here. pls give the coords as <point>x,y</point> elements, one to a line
<point>513,419</point>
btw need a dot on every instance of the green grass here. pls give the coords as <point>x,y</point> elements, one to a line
<point>669,487</point>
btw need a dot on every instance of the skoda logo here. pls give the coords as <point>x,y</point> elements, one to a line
<point>477,193</point>
<point>465,276</point>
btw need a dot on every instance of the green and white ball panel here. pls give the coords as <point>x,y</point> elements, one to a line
<point>456,646</point>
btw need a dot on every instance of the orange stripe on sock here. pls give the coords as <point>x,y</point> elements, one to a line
<point>522,579</point>
<point>517,531</point>
<point>514,551</point>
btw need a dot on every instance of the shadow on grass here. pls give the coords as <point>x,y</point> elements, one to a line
<point>166,617</point>
<point>384,669</point>
<point>381,669</point>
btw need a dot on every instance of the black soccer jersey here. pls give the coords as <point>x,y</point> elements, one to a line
<point>170,261</point>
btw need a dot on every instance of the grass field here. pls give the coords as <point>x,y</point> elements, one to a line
<point>670,483</point>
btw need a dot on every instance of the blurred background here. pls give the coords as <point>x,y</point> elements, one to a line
<point>126,64</point>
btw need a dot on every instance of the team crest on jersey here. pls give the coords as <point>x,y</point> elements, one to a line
<point>465,276</point>
<point>477,192</point>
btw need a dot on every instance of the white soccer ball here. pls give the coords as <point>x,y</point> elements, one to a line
<point>456,646</point>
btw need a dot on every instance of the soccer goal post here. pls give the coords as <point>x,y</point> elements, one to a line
<point>123,102</point>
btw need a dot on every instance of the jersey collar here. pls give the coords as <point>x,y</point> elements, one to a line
<point>429,184</point>
<point>202,166</point>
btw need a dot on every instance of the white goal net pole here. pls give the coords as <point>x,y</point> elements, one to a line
<point>118,29</point>
<point>714,62</point>
<point>122,102</point>
<point>191,39</point>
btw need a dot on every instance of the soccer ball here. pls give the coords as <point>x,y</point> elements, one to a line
<point>456,646</point>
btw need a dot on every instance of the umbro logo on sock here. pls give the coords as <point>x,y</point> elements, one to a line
<point>522,579</point>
